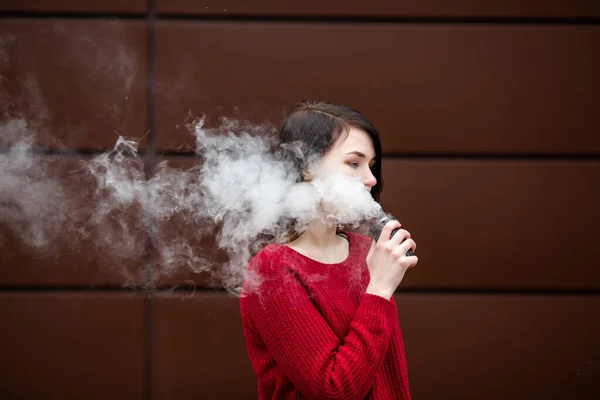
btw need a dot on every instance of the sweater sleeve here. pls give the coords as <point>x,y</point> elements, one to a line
<point>318,363</point>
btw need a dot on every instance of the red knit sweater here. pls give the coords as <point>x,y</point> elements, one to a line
<point>312,332</point>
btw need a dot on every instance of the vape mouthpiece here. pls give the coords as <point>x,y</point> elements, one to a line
<point>383,219</point>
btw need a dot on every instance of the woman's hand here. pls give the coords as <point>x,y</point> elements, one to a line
<point>388,261</point>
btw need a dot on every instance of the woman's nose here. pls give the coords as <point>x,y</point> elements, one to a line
<point>369,180</point>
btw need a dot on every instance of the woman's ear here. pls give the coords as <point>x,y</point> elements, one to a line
<point>306,176</point>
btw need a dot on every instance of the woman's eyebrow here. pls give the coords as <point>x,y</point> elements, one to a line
<point>359,154</point>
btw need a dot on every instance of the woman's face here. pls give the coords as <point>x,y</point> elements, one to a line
<point>353,156</point>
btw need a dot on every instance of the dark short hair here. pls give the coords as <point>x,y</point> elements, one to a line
<point>318,125</point>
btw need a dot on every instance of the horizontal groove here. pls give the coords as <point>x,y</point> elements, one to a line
<point>72,288</point>
<point>388,155</point>
<point>176,154</point>
<point>307,18</point>
<point>106,288</point>
<point>449,291</point>
<point>447,155</point>
<point>490,291</point>
<point>73,15</point>
<point>383,19</point>
<point>414,290</point>
<point>82,151</point>
<point>495,156</point>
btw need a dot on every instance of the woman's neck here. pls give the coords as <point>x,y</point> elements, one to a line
<point>320,235</point>
<point>320,243</point>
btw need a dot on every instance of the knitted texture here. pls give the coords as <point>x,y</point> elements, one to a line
<point>313,333</point>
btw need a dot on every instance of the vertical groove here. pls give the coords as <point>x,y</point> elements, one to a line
<point>150,128</point>
<point>149,166</point>
<point>148,310</point>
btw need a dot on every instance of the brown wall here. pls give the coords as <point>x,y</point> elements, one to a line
<point>490,117</point>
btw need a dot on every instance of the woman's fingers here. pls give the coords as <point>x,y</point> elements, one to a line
<point>386,232</point>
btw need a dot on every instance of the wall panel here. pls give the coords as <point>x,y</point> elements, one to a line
<point>76,83</point>
<point>428,88</point>
<point>57,231</point>
<point>498,224</point>
<point>71,345</point>
<point>184,246</point>
<point>501,347</point>
<point>199,348</point>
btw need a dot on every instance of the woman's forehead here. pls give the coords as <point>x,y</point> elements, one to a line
<point>357,140</point>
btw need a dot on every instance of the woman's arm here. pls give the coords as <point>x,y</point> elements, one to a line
<point>314,359</point>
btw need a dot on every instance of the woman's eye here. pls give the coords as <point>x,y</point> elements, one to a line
<point>354,164</point>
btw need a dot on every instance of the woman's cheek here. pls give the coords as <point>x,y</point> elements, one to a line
<point>349,170</point>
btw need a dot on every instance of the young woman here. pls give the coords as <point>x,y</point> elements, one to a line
<point>323,324</point>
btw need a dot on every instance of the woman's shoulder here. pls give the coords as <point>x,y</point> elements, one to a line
<point>266,266</point>
<point>265,257</point>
